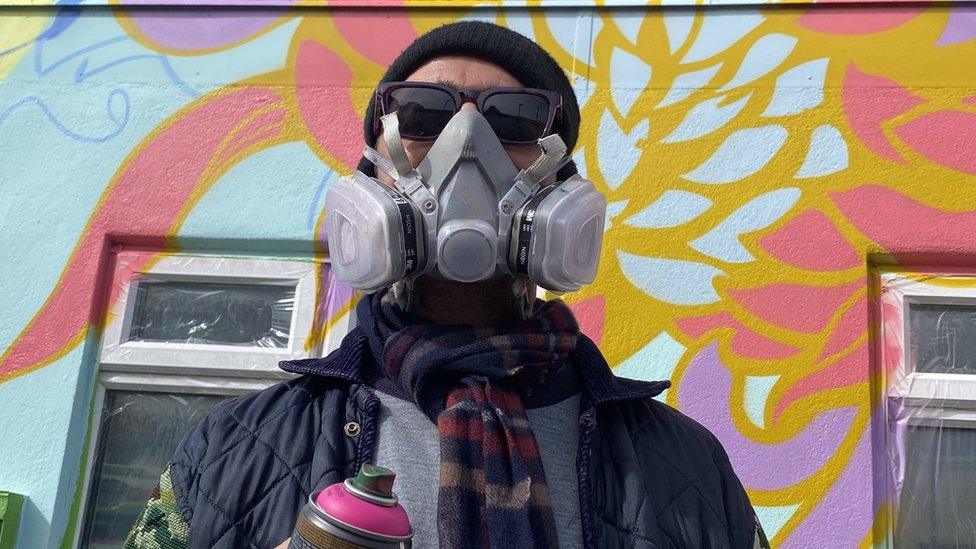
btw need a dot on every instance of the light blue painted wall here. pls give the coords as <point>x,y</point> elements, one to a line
<point>82,97</point>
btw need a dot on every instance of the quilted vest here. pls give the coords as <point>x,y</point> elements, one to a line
<point>649,477</point>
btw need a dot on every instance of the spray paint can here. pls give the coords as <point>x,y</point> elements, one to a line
<point>359,512</point>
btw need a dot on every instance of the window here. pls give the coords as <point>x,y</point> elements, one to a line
<point>184,332</point>
<point>212,313</point>
<point>208,315</point>
<point>128,460</point>
<point>928,357</point>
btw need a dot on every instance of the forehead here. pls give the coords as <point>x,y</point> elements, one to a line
<point>464,73</point>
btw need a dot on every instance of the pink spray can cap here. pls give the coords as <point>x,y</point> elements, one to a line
<point>367,503</point>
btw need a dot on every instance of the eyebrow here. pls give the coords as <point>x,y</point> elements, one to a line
<point>454,85</point>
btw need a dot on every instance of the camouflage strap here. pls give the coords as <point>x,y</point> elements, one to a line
<point>161,525</point>
<point>761,541</point>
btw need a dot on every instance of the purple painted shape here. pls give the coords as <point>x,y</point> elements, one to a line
<point>960,27</point>
<point>337,294</point>
<point>889,423</point>
<point>844,516</point>
<point>704,395</point>
<point>191,30</point>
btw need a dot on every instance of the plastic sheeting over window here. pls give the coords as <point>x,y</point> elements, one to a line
<point>938,495</point>
<point>137,435</point>
<point>225,316</point>
<point>928,358</point>
<point>943,338</point>
<point>212,313</point>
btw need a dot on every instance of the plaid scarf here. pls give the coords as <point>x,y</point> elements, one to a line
<point>469,380</point>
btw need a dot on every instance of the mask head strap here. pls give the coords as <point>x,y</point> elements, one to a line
<point>398,155</point>
<point>397,165</point>
<point>381,162</point>
<point>552,158</point>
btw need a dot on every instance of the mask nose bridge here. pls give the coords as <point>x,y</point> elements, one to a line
<point>468,137</point>
<point>467,193</point>
<point>469,147</point>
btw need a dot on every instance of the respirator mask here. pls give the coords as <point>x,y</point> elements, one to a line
<point>465,214</point>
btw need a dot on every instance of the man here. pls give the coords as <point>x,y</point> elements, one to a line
<point>591,459</point>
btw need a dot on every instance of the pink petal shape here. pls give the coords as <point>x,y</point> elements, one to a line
<point>851,369</point>
<point>857,21</point>
<point>800,308</point>
<point>142,205</point>
<point>851,326</point>
<point>704,393</point>
<point>869,101</point>
<point>893,337</point>
<point>745,342</point>
<point>359,28</point>
<point>933,234</point>
<point>811,241</point>
<point>323,83</point>
<point>944,137</point>
<point>590,314</point>
<point>970,100</point>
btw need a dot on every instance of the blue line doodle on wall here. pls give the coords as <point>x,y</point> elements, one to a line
<point>120,121</point>
<point>313,207</point>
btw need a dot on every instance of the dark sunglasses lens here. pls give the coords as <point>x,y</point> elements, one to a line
<point>517,116</point>
<point>422,112</point>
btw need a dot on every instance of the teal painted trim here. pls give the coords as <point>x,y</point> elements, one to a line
<point>74,515</point>
<point>10,506</point>
<point>74,470</point>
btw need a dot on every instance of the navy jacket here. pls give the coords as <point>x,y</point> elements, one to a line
<point>649,477</point>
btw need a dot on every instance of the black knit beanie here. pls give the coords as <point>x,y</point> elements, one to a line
<point>531,65</point>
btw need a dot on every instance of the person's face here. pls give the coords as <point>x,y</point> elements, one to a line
<point>461,73</point>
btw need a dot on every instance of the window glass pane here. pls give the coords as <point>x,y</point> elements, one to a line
<point>943,338</point>
<point>139,433</point>
<point>256,315</point>
<point>937,507</point>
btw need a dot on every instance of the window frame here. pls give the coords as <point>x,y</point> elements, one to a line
<point>953,392</point>
<point>920,395</point>
<point>203,369</point>
<point>119,355</point>
<point>168,384</point>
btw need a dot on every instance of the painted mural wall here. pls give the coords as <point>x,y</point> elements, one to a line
<point>756,161</point>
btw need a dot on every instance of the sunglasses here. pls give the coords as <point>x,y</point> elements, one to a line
<point>518,116</point>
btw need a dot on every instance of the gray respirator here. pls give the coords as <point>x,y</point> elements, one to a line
<point>465,214</point>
